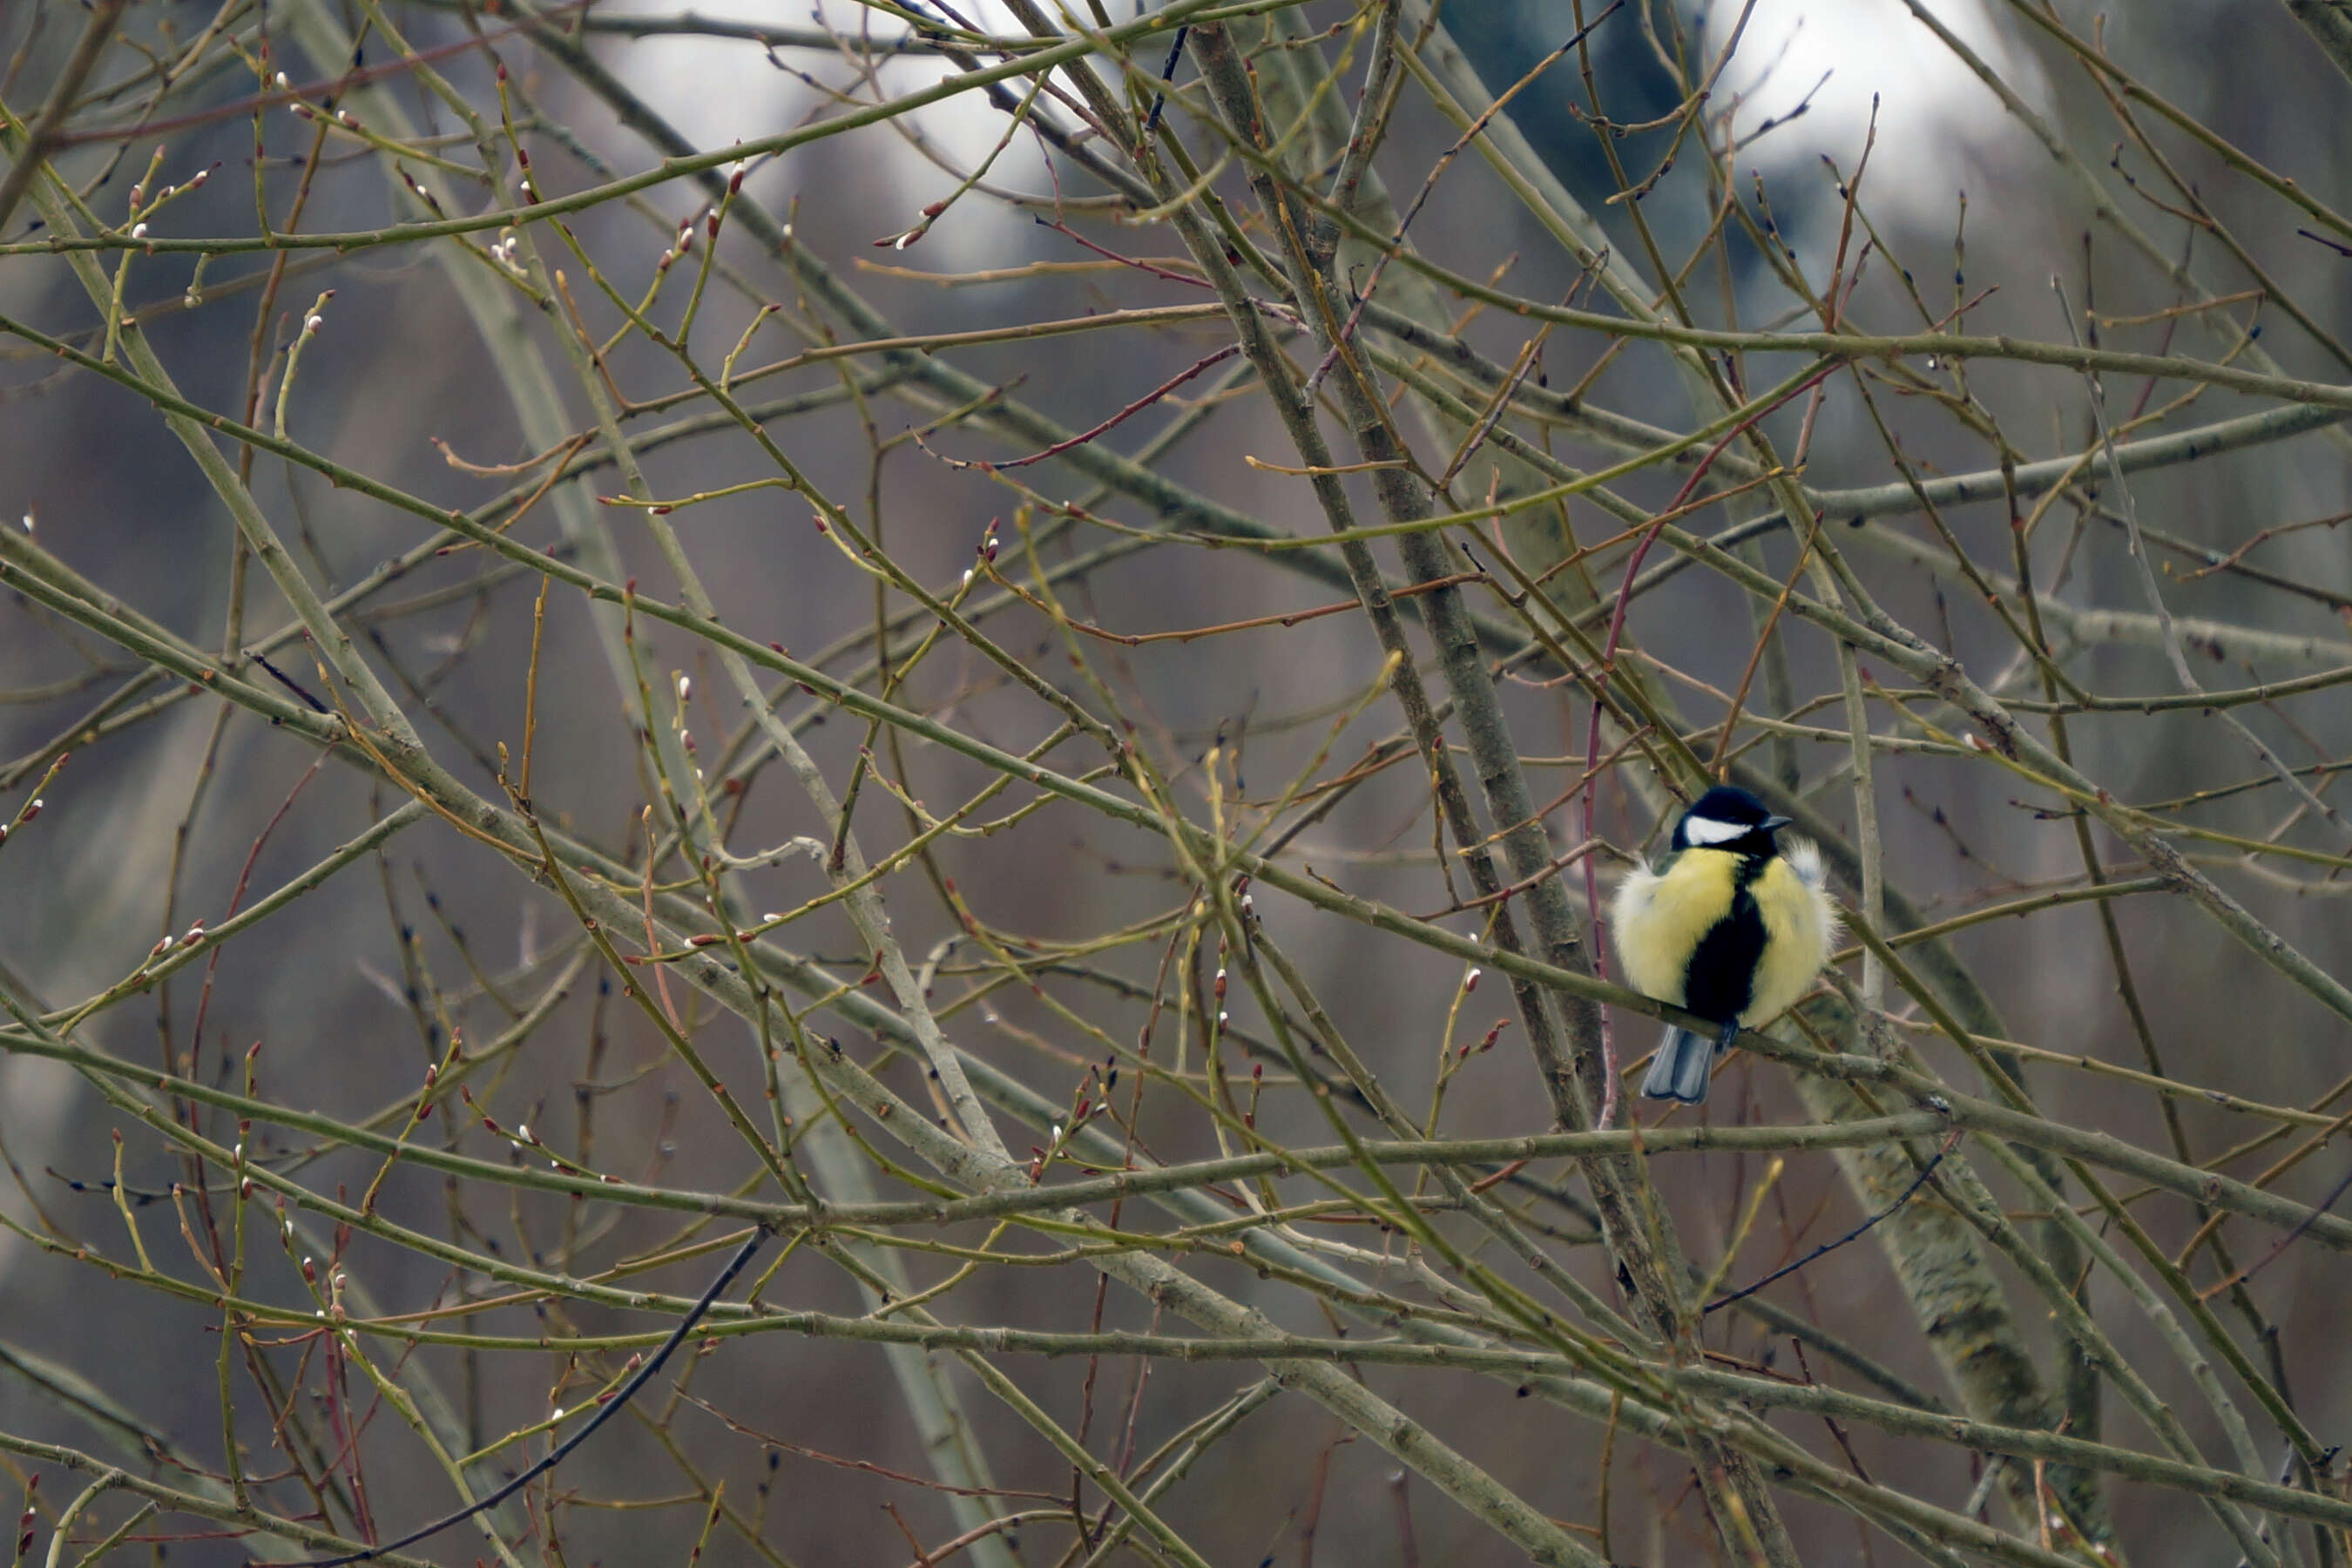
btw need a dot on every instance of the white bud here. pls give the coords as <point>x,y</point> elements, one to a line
<point>282,83</point>
<point>522,1130</point>
<point>28,519</point>
<point>1221,1017</point>
<point>559,1414</point>
<point>312,323</point>
<point>684,688</point>
<point>138,231</point>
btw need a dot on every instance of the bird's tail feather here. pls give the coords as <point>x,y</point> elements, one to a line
<point>1679,1071</point>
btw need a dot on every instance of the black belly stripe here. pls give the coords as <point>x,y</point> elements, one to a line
<point>1720,979</point>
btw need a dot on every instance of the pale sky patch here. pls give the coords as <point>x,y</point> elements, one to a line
<point>1940,127</point>
<point>721,90</point>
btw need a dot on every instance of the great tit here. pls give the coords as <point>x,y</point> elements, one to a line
<point>1732,925</point>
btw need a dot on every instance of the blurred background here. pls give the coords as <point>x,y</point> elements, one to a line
<point>174,807</point>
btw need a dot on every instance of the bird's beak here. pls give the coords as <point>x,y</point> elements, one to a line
<point>1774,824</point>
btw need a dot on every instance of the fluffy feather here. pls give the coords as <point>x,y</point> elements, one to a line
<point>1799,924</point>
<point>1804,858</point>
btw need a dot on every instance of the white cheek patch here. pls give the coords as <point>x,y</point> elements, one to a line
<point>1707,830</point>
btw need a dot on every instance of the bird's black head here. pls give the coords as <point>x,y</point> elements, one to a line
<point>1727,819</point>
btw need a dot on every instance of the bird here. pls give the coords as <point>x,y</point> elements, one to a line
<point>1732,925</point>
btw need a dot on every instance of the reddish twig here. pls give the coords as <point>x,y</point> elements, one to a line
<point>1157,271</point>
<point>1083,437</point>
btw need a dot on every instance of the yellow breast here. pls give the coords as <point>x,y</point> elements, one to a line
<point>1797,931</point>
<point>1659,919</point>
